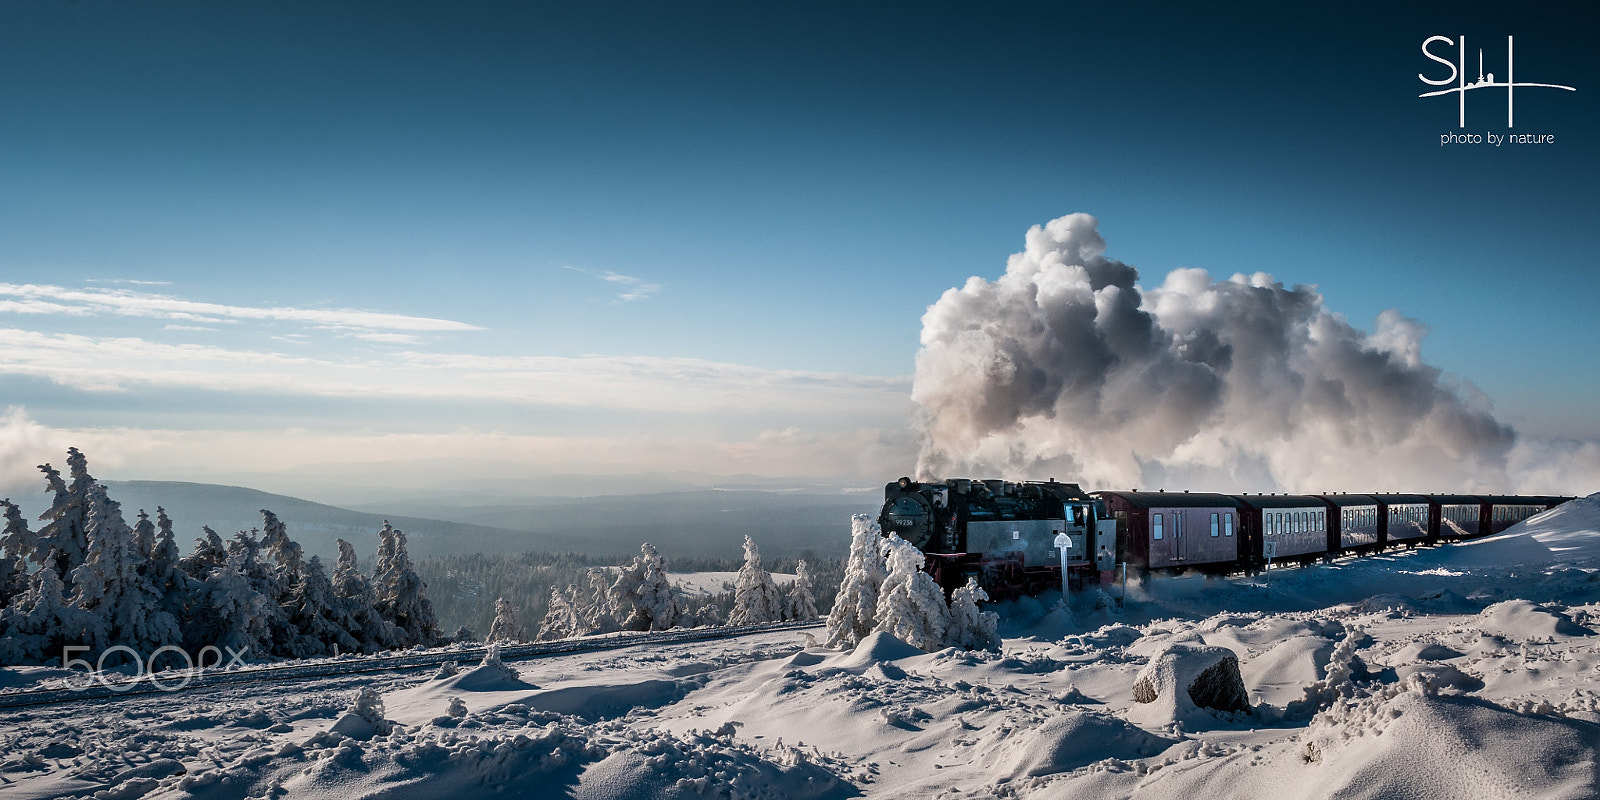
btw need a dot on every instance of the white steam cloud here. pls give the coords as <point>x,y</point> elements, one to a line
<point>1064,368</point>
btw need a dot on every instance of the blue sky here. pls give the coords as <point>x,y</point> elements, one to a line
<point>654,236</point>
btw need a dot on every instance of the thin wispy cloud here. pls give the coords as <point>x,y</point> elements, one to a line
<point>127,281</point>
<point>47,299</point>
<point>632,288</point>
<point>115,364</point>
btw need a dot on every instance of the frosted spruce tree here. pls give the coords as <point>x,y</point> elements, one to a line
<point>855,609</point>
<point>361,600</point>
<point>121,603</point>
<point>755,596</point>
<point>17,548</point>
<point>63,541</point>
<point>970,627</point>
<point>505,627</point>
<point>801,602</point>
<point>144,536</point>
<point>209,553</point>
<point>641,597</point>
<point>263,577</point>
<point>40,622</point>
<point>911,607</point>
<point>321,620</point>
<point>236,616</point>
<point>15,538</point>
<point>596,608</point>
<point>402,594</point>
<point>283,550</point>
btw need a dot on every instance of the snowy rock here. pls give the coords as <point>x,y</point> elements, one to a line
<point>1186,680</point>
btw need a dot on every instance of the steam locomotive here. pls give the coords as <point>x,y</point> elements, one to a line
<point>1024,537</point>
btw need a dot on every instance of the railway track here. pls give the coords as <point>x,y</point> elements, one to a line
<point>404,662</point>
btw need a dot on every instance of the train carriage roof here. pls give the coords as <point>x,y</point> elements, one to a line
<point>1455,499</point>
<point>1396,498</point>
<point>1260,501</point>
<point>1172,499</point>
<point>1515,499</point>
<point>1343,500</point>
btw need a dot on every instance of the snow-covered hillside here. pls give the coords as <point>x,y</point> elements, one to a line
<point>1463,671</point>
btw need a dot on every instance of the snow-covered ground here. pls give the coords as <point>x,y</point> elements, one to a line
<point>1464,671</point>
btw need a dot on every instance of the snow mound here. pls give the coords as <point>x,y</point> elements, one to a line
<point>1072,740</point>
<point>1280,675</point>
<point>877,648</point>
<point>1452,746</point>
<point>364,719</point>
<point>598,701</point>
<point>1521,621</point>
<point>490,676</point>
<point>1441,676</point>
<point>1186,682</point>
<point>1423,651</point>
<point>668,769</point>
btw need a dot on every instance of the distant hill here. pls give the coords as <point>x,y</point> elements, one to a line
<point>314,525</point>
<point>703,523</point>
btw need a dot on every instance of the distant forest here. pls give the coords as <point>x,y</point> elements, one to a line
<point>463,587</point>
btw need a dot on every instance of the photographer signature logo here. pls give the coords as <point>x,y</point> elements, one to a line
<point>1458,76</point>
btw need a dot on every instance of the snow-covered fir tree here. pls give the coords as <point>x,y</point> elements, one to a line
<point>285,551</point>
<point>855,608</point>
<point>755,596</point>
<point>801,601</point>
<point>595,611</point>
<point>144,537</point>
<point>562,619</point>
<point>164,556</point>
<point>321,619</point>
<point>911,607</point>
<point>209,553</point>
<point>17,546</point>
<point>121,603</point>
<point>505,627</point>
<point>642,598</point>
<point>15,538</point>
<point>402,595</point>
<point>263,576</point>
<point>970,627</point>
<point>237,616</point>
<point>13,580</point>
<point>63,541</point>
<point>360,598</point>
<point>40,622</point>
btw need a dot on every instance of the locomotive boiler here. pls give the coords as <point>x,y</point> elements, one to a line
<point>1014,538</point>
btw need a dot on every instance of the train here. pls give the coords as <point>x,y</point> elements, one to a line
<point>1023,537</point>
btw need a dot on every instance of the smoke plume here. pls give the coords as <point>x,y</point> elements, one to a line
<point>1064,368</point>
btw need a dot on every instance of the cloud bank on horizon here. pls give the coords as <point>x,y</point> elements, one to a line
<point>1065,367</point>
